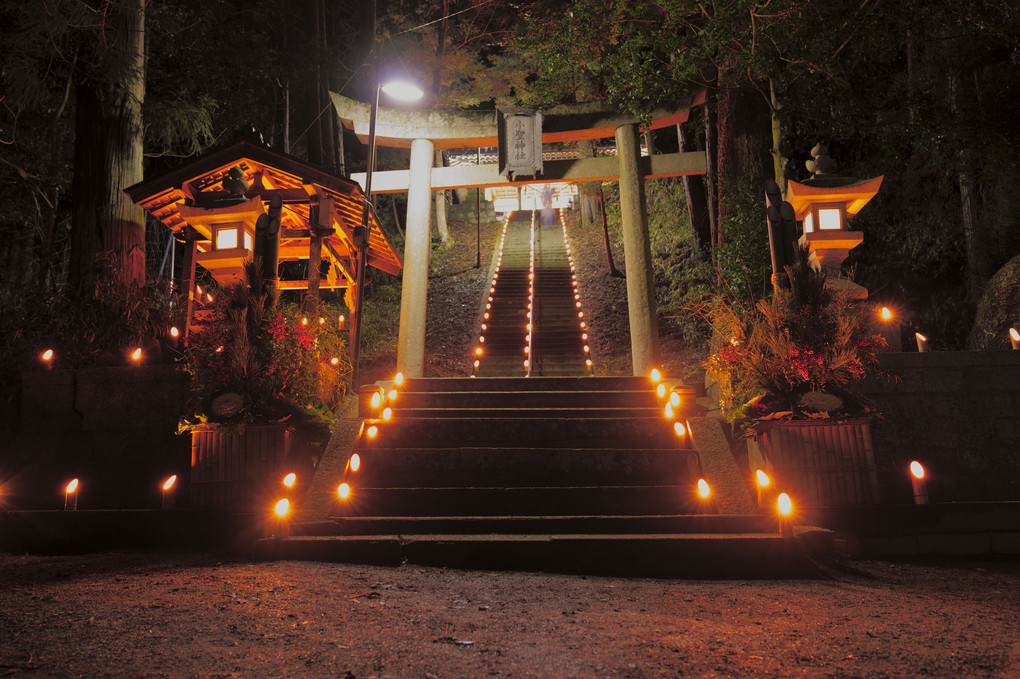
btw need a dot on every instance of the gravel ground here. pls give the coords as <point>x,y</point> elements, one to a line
<point>135,615</point>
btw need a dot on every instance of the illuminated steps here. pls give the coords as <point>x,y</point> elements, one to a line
<point>491,473</point>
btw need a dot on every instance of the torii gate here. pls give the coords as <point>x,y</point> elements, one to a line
<point>424,131</point>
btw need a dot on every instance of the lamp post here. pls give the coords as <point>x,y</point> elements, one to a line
<point>401,91</point>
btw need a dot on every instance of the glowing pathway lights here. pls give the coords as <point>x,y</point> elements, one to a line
<point>577,299</point>
<point>169,500</point>
<point>785,507</point>
<point>531,300</point>
<point>764,485</point>
<point>919,483</point>
<point>71,495</point>
<point>478,351</point>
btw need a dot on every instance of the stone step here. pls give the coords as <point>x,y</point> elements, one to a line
<point>523,467</point>
<point>525,399</point>
<point>676,524</point>
<point>703,556</point>
<point>522,501</point>
<point>533,432</point>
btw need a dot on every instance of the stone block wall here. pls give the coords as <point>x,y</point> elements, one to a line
<point>112,427</point>
<point>958,413</point>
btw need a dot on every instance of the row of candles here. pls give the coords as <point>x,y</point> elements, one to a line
<point>136,355</point>
<point>890,330</point>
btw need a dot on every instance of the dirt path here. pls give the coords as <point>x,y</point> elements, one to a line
<point>129,615</point>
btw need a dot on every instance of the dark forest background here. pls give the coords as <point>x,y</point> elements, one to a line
<point>95,94</point>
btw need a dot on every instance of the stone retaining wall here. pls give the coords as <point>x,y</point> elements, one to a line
<point>112,427</point>
<point>958,413</point>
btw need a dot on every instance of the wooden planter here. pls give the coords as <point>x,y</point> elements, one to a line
<point>819,463</point>
<point>238,471</point>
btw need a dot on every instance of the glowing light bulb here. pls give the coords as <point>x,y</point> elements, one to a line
<point>289,480</point>
<point>282,508</point>
<point>762,478</point>
<point>355,462</point>
<point>679,428</point>
<point>656,375</point>
<point>343,490</point>
<point>885,313</point>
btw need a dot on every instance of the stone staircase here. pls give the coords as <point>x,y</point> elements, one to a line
<point>535,465</point>
<point>533,268</point>
<point>575,474</point>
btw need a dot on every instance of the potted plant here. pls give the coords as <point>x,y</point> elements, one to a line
<point>785,368</point>
<point>265,380</point>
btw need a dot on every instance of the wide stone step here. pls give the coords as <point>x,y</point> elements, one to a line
<point>731,524</point>
<point>536,432</point>
<point>513,412</point>
<point>521,467</point>
<point>521,501</point>
<point>525,399</point>
<point>703,556</point>
<point>525,383</point>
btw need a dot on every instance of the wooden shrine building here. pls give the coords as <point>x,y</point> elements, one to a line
<point>219,202</point>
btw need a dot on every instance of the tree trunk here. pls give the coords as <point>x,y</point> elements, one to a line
<point>970,199</point>
<point>314,97</point>
<point>440,197</point>
<point>588,192</point>
<point>697,199</point>
<point>108,158</point>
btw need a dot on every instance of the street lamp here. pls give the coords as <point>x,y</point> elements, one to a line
<point>401,91</point>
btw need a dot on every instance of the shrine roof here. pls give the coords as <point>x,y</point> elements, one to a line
<point>268,174</point>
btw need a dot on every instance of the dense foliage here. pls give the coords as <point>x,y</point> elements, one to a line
<point>795,354</point>
<point>256,359</point>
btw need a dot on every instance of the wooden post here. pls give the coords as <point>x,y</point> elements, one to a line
<point>319,225</point>
<point>188,272</point>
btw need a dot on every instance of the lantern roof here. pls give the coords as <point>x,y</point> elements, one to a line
<point>252,175</point>
<point>853,193</point>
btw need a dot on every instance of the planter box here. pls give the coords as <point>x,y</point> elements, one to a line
<point>819,463</point>
<point>238,471</point>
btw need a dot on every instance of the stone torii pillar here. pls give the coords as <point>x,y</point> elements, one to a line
<point>637,254</point>
<point>417,252</point>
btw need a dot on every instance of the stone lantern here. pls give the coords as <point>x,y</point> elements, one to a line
<point>825,203</point>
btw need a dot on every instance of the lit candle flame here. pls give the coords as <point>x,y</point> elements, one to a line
<point>679,428</point>
<point>917,469</point>
<point>785,504</point>
<point>47,355</point>
<point>334,361</point>
<point>72,486</point>
<point>763,478</point>
<point>289,480</point>
<point>398,379</point>
<point>703,490</point>
<point>886,313</point>
<point>660,390</point>
<point>174,332</point>
<point>387,414</point>
<point>169,483</point>
<point>136,355</point>
<point>1014,334</point>
<point>344,491</point>
<point>282,508</point>
<point>372,431</point>
<point>656,375</point>
<point>355,462</point>
<point>376,399</point>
